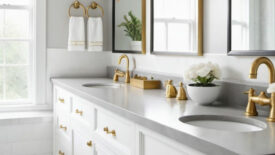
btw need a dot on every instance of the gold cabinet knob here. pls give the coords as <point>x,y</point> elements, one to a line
<point>77,111</point>
<point>61,100</point>
<point>61,153</point>
<point>90,143</point>
<point>113,132</point>
<point>63,127</point>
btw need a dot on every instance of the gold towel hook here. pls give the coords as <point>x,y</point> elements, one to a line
<point>93,6</point>
<point>76,4</point>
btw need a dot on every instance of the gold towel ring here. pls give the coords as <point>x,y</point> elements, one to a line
<point>94,5</point>
<point>77,5</point>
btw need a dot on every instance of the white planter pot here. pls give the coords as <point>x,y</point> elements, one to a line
<point>203,95</point>
<point>136,45</point>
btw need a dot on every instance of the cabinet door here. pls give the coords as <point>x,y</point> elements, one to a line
<point>151,143</point>
<point>102,150</point>
<point>82,144</point>
<point>62,144</point>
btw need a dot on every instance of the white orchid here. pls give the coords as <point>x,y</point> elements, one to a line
<point>203,73</point>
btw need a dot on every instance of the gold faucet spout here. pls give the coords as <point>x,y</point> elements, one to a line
<point>255,67</point>
<point>127,60</point>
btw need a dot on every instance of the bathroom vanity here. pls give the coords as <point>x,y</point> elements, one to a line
<point>98,116</point>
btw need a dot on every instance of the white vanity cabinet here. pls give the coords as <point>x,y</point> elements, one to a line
<point>83,128</point>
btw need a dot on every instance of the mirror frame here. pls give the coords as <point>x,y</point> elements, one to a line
<point>230,52</point>
<point>200,34</point>
<point>143,35</point>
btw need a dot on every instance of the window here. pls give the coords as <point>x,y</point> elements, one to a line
<point>175,27</point>
<point>21,65</point>
<point>240,24</point>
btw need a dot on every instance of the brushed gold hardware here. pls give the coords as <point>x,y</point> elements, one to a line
<point>262,98</point>
<point>257,63</point>
<point>120,73</point>
<point>171,91</point>
<point>94,6</point>
<point>89,143</point>
<point>61,153</point>
<point>143,33</point>
<point>77,111</point>
<point>76,4</point>
<point>61,100</point>
<point>63,127</point>
<point>200,27</point>
<point>181,93</point>
<point>145,84</point>
<point>113,132</point>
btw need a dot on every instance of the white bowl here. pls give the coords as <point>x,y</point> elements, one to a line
<point>203,95</point>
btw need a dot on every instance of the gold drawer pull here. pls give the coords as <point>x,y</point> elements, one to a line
<point>61,153</point>
<point>90,143</point>
<point>63,127</point>
<point>79,112</point>
<point>61,100</point>
<point>113,132</point>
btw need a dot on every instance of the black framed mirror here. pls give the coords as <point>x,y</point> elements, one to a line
<point>251,27</point>
<point>177,27</point>
<point>129,26</point>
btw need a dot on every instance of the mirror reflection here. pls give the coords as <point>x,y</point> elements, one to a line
<point>175,26</point>
<point>128,25</point>
<point>252,25</point>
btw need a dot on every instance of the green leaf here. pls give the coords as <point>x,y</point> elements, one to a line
<point>132,26</point>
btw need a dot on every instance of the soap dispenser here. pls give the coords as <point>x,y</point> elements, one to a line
<point>171,91</point>
<point>181,93</point>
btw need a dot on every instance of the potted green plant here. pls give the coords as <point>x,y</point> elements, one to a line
<point>133,28</point>
<point>203,90</point>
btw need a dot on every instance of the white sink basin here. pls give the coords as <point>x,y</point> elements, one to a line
<point>224,123</point>
<point>102,85</point>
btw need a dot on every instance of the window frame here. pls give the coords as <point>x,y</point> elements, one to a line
<point>39,57</point>
<point>197,46</point>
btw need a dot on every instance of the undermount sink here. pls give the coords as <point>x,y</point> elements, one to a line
<point>224,123</point>
<point>102,85</point>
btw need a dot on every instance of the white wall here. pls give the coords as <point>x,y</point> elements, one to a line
<point>60,62</point>
<point>58,19</point>
<point>235,69</point>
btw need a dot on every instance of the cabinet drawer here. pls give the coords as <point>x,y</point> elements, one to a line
<point>123,130</point>
<point>63,125</point>
<point>83,112</point>
<point>62,101</point>
<point>63,144</point>
<point>83,143</point>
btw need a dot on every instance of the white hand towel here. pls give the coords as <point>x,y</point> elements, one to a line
<point>76,41</point>
<point>271,88</point>
<point>95,34</point>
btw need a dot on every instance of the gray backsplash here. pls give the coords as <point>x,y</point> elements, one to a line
<point>232,94</point>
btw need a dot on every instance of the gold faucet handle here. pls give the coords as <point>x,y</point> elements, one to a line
<point>250,91</point>
<point>168,82</point>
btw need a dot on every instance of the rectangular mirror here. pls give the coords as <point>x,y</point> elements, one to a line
<point>129,26</point>
<point>177,27</point>
<point>251,28</point>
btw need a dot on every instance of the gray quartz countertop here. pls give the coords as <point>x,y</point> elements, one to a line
<point>150,108</point>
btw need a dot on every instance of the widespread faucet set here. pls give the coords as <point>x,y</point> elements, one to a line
<point>262,99</point>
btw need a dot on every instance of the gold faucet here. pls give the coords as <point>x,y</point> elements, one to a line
<point>120,73</point>
<point>262,99</point>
